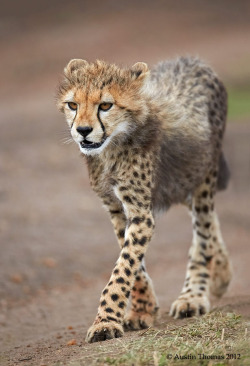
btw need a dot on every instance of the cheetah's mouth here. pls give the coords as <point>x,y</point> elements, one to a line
<point>85,144</point>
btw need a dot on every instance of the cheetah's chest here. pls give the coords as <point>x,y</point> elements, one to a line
<point>104,177</point>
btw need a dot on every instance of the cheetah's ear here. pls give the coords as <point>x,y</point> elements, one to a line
<point>139,70</point>
<point>74,64</point>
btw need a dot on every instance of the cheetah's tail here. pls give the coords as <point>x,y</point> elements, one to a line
<point>223,173</point>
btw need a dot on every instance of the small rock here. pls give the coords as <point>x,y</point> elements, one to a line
<point>17,278</point>
<point>72,342</point>
<point>49,262</point>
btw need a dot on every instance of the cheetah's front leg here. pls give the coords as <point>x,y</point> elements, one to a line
<point>109,320</point>
<point>144,304</point>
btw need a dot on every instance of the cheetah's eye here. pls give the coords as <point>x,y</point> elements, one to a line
<point>105,106</point>
<point>72,106</point>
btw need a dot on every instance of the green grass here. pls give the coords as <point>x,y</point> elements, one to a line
<point>238,103</point>
<point>214,335</point>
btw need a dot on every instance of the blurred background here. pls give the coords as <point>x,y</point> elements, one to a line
<point>57,243</point>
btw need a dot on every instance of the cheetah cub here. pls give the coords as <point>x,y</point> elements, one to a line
<point>151,139</point>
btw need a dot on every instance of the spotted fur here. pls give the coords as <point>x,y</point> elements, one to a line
<point>151,139</point>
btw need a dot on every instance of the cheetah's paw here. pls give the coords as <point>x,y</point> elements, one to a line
<point>185,307</point>
<point>103,331</point>
<point>139,320</point>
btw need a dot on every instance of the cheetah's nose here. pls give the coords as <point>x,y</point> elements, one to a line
<point>84,131</point>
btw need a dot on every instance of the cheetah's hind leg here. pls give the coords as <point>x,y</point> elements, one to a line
<point>209,269</point>
<point>220,268</point>
<point>144,304</point>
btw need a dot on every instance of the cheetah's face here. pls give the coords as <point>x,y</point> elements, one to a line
<point>101,103</point>
<point>94,120</point>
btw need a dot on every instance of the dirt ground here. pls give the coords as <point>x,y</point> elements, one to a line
<point>57,244</point>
